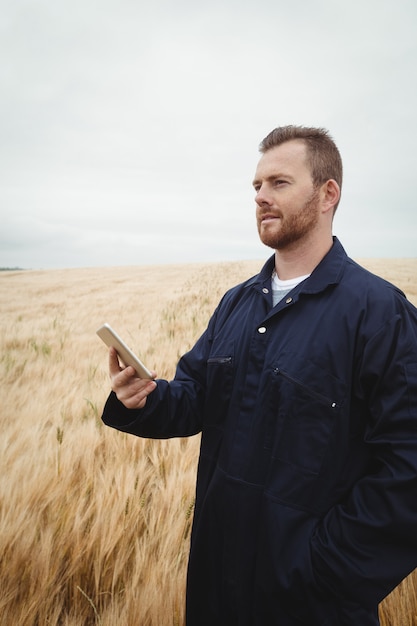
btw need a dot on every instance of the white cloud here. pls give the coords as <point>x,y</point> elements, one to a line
<point>137,127</point>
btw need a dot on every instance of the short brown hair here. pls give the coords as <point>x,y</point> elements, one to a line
<point>323,155</point>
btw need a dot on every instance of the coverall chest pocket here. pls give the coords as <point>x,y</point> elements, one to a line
<point>220,374</point>
<point>307,411</point>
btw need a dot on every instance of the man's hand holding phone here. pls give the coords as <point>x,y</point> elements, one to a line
<point>132,382</point>
<point>129,388</point>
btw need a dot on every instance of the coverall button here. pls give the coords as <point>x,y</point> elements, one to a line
<point>262,330</point>
<point>288,300</point>
<point>265,290</point>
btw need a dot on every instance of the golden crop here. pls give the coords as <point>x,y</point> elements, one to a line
<point>95,524</point>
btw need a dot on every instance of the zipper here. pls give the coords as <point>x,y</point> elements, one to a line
<point>220,360</point>
<point>333,405</point>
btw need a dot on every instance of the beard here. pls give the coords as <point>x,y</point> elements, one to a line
<point>293,228</point>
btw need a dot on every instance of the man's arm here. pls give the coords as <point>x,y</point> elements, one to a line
<point>160,409</point>
<point>367,544</point>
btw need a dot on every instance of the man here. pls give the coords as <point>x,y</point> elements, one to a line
<point>304,387</point>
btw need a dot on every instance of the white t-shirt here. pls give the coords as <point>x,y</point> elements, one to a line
<point>280,288</point>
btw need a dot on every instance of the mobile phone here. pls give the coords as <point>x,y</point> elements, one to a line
<point>112,339</point>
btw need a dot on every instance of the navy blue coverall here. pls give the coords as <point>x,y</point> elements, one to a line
<point>306,506</point>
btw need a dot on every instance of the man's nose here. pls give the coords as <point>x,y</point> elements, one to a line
<point>262,196</point>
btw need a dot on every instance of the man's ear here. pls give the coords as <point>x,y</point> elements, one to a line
<point>330,191</point>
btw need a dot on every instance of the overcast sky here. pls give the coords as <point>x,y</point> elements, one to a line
<point>129,130</point>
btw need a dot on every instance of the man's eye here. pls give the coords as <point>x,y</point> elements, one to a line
<point>279,182</point>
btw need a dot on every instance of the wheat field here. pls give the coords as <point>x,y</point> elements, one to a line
<point>95,524</point>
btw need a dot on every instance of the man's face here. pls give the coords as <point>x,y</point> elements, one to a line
<point>287,203</point>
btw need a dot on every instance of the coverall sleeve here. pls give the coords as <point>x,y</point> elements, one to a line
<point>367,544</point>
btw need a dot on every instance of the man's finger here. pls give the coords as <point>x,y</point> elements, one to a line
<point>114,365</point>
